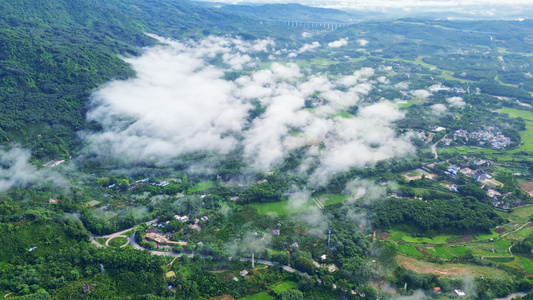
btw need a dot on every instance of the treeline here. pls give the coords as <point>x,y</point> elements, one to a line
<point>455,215</point>
<point>505,90</point>
<point>269,188</point>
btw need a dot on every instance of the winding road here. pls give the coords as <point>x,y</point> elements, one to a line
<point>434,147</point>
<point>133,242</point>
<point>117,234</point>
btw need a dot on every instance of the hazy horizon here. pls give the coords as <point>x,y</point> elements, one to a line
<point>516,9</point>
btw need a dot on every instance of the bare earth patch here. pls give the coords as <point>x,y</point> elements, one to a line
<point>421,250</point>
<point>500,230</point>
<point>448,270</point>
<point>383,235</point>
<point>463,239</point>
<point>527,187</point>
<point>223,297</point>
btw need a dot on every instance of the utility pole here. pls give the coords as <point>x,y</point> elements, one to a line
<point>253,261</point>
<point>329,236</point>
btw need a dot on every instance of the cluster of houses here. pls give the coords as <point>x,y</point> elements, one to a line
<point>479,175</point>
<point>141,182</point>
<point>491,137</point>
<point>153,233</point>
<point>490,186</point>
<point>53,163</point>
<point>195,225</point>
<point>426,137</point>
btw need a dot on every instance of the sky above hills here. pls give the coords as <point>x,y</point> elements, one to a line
<point>481,8</point>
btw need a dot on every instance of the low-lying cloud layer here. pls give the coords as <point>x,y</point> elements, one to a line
<point>15,171</point>
<point>180,103</point>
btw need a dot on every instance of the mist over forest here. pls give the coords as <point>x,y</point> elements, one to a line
<point>162,149</point>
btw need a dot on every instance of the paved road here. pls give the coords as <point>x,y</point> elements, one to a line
<point>512,296</point>
<point>117,234</point>
<point>133,242</point>
<point>121,233</point>
<point>434,147</point>
<point>94,242</point>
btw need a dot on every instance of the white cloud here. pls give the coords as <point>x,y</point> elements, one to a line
<point>338,43</point>
<point>362,42</point>
<point>179,104</point>
<point>308,47</point>
<point>438,109</point>
<point>175,105</point>
<point>456,101</point>
<point>16,171</point>
<point>236,61</point>
<point>424,94</point>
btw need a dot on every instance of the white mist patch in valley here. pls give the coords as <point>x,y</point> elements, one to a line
<point>176,104</point>
<point>456,101</point>
<point>338,43</point>
<point>16,171</point>
<point>308,47</point>
<point>362,141</point>
<point>180,103</point>
<point>362,42</point>
<point>424,94</point>
<point>438,109</point>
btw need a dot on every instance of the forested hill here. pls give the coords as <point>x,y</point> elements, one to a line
<point>293,12</point>
<point>54,52</point>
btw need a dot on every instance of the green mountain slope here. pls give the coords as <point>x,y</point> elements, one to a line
<point>54,52</point>
<point>293,12</point>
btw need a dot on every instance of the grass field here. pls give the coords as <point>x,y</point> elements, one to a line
<point>526,135</point>
<point>282,208</point>
<point>488,236</point>
<point>469,150</point>
<point>501,260</point>
<point>332,198</point>
<point>409,103</point>
<point>128,233</point>
<point>443,252</point>
<point>202,186</point>
<point>452,270</point>
<point>283,286</point>
<point>460,251</point>
<point>527,264</point>
<point>400,235</point>
<point>521,214</point>
<point>409,250</point>
<point>522,233</point>
<point>117,242</point>
<point>342,114</point>
<point>260,296</point>
<point>502,245</point>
